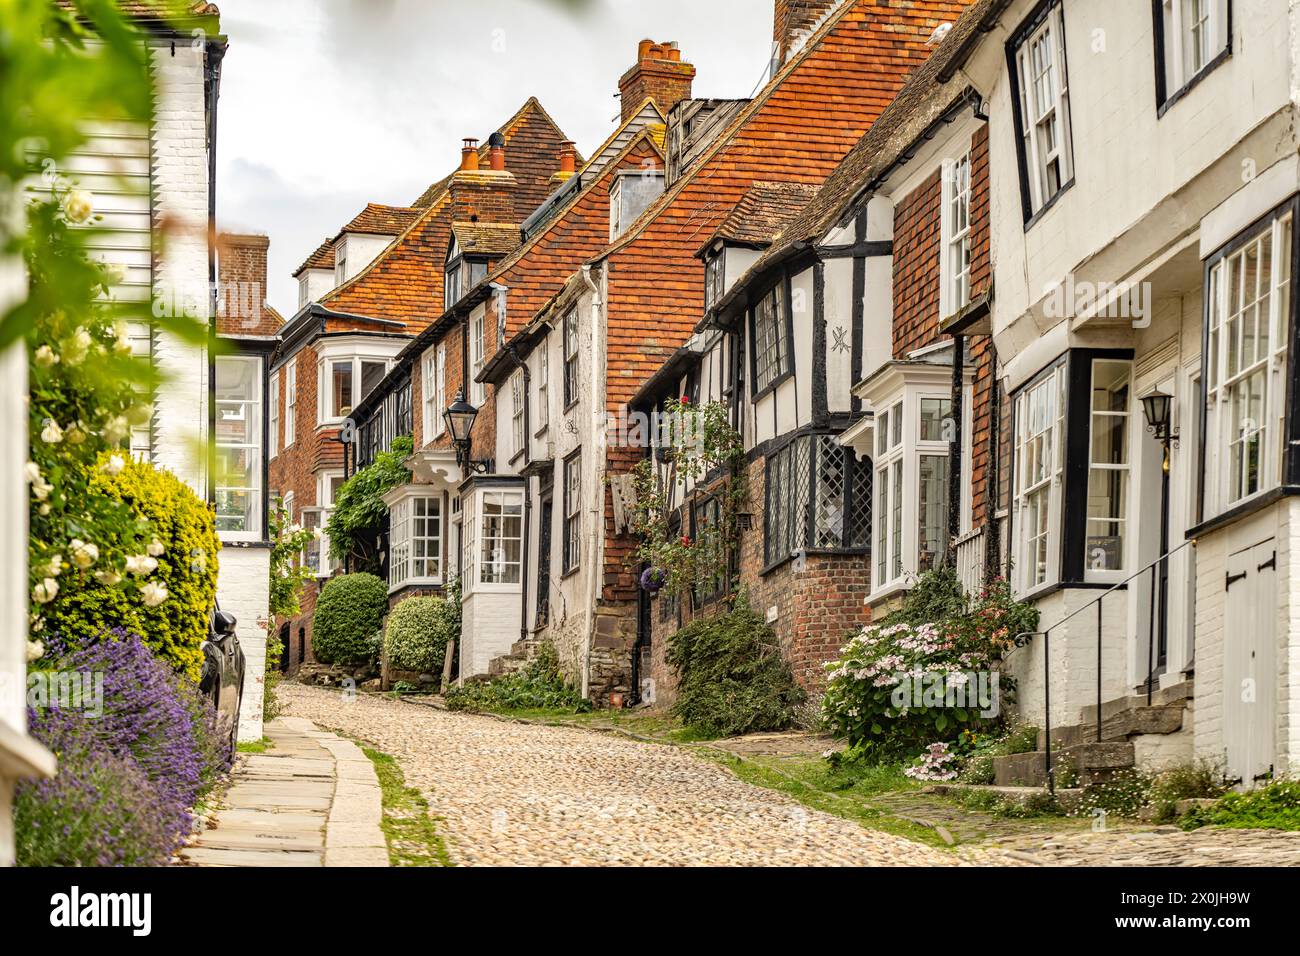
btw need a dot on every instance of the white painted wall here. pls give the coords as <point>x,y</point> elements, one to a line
<point>357,250</point>
<point>243,588</point>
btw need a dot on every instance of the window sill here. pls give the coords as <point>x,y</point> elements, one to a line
<point>415,583</point>
<point>1182,91</point>
<point>570,572</point>
<point>1047,206</point>
<point>815,553</point>
<point>1242,509</point>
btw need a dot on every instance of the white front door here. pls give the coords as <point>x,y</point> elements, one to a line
<point>1249,680</point>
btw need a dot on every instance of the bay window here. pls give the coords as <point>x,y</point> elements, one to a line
<point>1073,441</point>
<point>491,537</point>
<point>1042,107</point>
<point>1249,311</point>
<point>1192,36</point>
<point>346,380</point>
<point>954,268</point>
<point>415,540</point>
<point>817,498</point>
<point>239,446</point>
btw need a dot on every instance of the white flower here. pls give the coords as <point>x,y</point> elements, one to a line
<point>141,564</point>
<point>40,487</point>
<point>55,565</point>
<point>122,338</point>
<point>108,578</point>
<point>46,356</point>
<point>294,528</point>
<point>114,465</point>
<point>316,534</point>
<point>75,351</point>
<point>116,428</point>
<point>32,471</point>
<point>35,651</point>
<point>51,434</point>
<point>84,553</point>
<point>78,205</point>
<point>154,593</point>
<point>44,509</point>
<point>156,548</point>
<point>46,591</point>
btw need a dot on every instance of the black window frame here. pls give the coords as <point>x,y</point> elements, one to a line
<point>784,319</point>
<point>1165,99</point>
<point>714,277</point>
<point>800,518</point>
<point>707,508</point>
<point>1022,33</point>
<point>1072,534</point>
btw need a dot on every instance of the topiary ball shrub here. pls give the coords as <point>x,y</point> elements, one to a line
<point>350,609</point>
<point>732,678</point>
<point>417,634</point>
<point>185,527</point>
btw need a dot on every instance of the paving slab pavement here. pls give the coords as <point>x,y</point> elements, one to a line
<point>312,799</point>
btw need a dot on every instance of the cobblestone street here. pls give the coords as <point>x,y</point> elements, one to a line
<point>522,794</point>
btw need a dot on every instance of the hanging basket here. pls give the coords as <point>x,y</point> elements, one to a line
<point>653,579</point>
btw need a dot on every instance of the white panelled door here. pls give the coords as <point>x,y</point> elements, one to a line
<point>1249,678</point>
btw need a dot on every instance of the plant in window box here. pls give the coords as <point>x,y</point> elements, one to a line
<point>697,446</point>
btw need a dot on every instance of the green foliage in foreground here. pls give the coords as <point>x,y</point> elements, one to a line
<point>1272,807</point>
<point>539,686</point>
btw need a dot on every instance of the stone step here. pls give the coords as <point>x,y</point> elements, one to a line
<point>1092,763</point>
<point>1175,694</point>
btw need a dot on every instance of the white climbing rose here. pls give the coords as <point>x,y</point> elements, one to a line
<point>45,591</point>
<point>51,434</point>
<point>154,593</point>
<point>84,553</point>
<point>114,465</point>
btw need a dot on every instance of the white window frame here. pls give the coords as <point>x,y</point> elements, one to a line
<point>1222,437</point>
<point>1039,411</point>
<point>327,414</point>
<point>955,262</point>
<point>325,504</point>
<point>517,401</point>
<point>474,539</point>
<point>543,386</point>
<point>251,412</point>
<point>273,416</point>
<point>571,519</point>
<point>1194,34</point>
<point>477,351</point>
<point>1042,76</point>
<point>771,340</point>
<point>290,401</point>
<point>406,515</point>
<point>1094,569</point>
<point>434,388</point>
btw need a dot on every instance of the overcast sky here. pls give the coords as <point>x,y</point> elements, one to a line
<point>329,104</point>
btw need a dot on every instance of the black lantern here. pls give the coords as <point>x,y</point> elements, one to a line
<point>460,416</point>
<point>1156,407</point>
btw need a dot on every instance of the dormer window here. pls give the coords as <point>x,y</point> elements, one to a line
<point>463,273</point>
<point>341,262</point>
<point>631,194</point>
<point>713,277</point>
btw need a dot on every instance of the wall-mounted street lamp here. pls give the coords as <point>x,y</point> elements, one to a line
<point>460,416</point>
<point>1158,409</point>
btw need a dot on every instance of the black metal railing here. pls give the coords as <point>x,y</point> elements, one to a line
<point>1159,574</point>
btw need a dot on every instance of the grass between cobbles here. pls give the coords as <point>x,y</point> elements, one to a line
<point>410,829</point>
<point>254,746</point>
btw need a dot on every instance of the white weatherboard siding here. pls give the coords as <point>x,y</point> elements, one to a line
<point>243,588</point>
<point>180,198</point>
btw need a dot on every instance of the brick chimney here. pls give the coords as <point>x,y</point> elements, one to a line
<point>241,286</point>
<point>568,158</point>
<point>659,74</point>
<point>793,21</point>
<point>483,195</point>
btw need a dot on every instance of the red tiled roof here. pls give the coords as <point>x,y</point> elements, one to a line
<point>382,220</point>
<point>764,210</point>
<point>405,282</point>
<point>798,129</point>
<point>322,258</point>
<point>486,238</point>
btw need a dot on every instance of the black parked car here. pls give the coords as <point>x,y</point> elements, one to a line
<point>223,673</point>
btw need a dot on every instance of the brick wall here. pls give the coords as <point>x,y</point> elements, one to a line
<point>819,601</point>
<point>917,235</point>
<point>241,277</point>
<point>659,74</point>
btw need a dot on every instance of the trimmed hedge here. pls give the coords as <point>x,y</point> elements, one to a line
<point>176,629</point>
<point>349,611</point>
<point>417,634</point>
